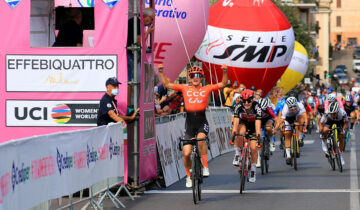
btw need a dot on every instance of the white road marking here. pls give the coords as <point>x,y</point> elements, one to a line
<point>309,141</point>
<point>354,184</point>
<point>355,191</point>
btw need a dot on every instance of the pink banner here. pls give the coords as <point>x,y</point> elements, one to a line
<point>147,144</point>
<point>48,89</point>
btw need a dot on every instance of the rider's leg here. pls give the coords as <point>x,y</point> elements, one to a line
<point>352,120</point>
<point>187,162</point>
<point>269,125</point>
<point>254,149</point>
<point>341,141</point>
<point>287,135</point>
<point>203,149</point>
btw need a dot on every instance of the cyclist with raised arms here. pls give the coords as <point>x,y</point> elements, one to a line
<point>196,124</point>
<point>351,110</point>
<point>293,112</point>
<point>338,116</point>
<point>247,118</point>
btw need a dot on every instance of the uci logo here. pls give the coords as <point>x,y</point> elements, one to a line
<point>35,113</point>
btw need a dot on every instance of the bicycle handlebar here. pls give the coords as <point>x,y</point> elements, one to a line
<point>206,139</point>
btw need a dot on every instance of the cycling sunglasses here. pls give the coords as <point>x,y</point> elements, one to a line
<point>197,75</point>
<point>247,101</point>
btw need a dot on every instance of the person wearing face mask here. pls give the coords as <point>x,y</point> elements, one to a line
<point>108,111</point>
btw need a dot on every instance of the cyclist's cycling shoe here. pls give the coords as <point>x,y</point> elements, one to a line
<point>252,176</point>
<point>342,160</point>
<point>288,161</point>
<point>258,163</point>
<point>236,161</point>
<point>206,172</point>
<point>324,148</point>
<point>272,147</point>
<point>188,182</point>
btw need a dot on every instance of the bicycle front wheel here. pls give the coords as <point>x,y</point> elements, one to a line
<point>195,178</point>
<point>262,158</point>
<point>294,144</point>
<point>337,154</point>
<point>243,171</point>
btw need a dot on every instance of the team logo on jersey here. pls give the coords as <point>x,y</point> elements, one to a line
<point>111,3</point>
<point>12,3</point>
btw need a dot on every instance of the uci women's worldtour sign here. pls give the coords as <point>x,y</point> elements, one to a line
<point>55,73</point>
<point>52,89</point>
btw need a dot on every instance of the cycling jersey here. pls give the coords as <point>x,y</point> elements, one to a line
<point>321,109</point>
<point>280,105</point>
<point>267,115</point>
<point>195,99</point>
<point>248,118</point>
<point>254,114</point>
<point>327,120</point>
<point>287,113</point>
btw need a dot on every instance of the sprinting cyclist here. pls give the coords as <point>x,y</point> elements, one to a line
<point>267,116</point>
<point>320,112</point>
<point>338,116</point>
<point>196,124</point>
<point>351,110</point>
<point>293,112</point>
<point>247,119</point>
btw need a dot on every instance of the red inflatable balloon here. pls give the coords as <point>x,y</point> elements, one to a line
<point>252,37</point>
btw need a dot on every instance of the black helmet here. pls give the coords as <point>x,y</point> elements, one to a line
<point>293,93</point>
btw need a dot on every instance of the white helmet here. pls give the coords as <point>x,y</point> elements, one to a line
<point>333,107</point>
<point>264,103</point>
<point>291,101</point>
<point>310,100</point>
<point>331,97</point>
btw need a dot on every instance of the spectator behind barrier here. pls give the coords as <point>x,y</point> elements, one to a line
<point>149,16</point>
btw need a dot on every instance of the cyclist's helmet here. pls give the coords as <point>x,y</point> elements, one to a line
<point>333,107</point>
<point>264,103</point>
<point>247,94</point>
<point>195,69</point>
<point>293,93</point>
<point>348,98</point>
<point>331,97</point>
<point>291,101</point>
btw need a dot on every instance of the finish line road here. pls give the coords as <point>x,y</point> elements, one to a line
<point>313,186</point>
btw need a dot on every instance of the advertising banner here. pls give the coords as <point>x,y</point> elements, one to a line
<point>177,129</point>
<point>166,154</point>
<point>59,164</point>
<point>213,138</point>
<point>147,140</point>
<point>50,89</point>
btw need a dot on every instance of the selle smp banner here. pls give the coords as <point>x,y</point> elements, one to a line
<point>49,89</point>
<point>59,164</point>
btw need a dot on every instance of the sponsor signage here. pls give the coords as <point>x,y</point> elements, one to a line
<point>247,49</point>
<point>59,73</point>
<point>24,113</point>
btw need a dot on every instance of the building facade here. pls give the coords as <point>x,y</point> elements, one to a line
<point>345,23</point>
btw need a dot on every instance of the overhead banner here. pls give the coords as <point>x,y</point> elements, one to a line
<point>49,89</point>
<point>46,167</point>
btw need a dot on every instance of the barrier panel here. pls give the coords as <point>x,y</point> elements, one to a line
<point>170,128</point>
<point>50,166</point>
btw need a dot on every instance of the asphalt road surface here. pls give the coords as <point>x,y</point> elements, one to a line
<point>313,186</point>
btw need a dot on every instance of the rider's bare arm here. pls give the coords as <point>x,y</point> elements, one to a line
<point>222,84</point>
<point>164,80</point>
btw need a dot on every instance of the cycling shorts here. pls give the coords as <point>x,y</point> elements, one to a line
<point>250,126</point>
<point>195,123</point>
<point>288,122</point>
<point>265,120</point>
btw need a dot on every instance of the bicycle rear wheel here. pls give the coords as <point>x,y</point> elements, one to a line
<point>294,150</point>
<point>243,170</point>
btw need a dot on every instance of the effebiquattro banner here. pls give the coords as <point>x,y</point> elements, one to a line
<point>49,89</point>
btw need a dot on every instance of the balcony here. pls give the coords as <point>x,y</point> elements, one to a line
<point>303,4</point>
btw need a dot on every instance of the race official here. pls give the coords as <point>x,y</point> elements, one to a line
<point>108,111</point>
